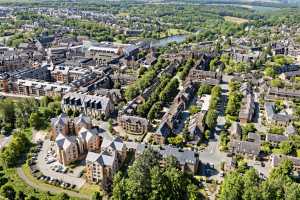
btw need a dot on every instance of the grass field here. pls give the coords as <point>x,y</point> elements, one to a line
<point>173,31</point>
<point>236,20</point>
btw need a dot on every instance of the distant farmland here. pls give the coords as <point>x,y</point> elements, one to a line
<point>236,19</point>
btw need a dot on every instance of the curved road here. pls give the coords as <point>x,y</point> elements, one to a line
<point>50,189</point>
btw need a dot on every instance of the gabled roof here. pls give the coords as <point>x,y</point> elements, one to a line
<point>87,134</point>
<point>82,119</point>
<point>116,144</point>
<point>104,158</point>
<point>61,120</point>
<point>64,142</point>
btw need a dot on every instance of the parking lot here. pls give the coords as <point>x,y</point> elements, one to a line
<point>52,170</point>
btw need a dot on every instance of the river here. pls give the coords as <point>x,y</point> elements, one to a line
<point>167,40</point>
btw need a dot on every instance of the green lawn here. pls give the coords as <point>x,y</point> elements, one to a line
<point>19,185</point>
<point>89,189</point>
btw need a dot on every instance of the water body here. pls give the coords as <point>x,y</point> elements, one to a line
<point>167,40</point>
<point>257,8</point>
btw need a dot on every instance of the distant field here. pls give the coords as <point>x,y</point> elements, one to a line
<point>236,19</point>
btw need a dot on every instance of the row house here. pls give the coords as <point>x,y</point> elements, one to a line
<point>247,109</point>
<point>202,76</point>
<point>277,93</point>
<point>277,159</point>
<point>10,61</point>
<point>196,126</point>
<point>91,105</point>
<point>249,149</point>
<point>290,75</point>
<point>275,139</point>
<point>170,120</point>
<point>38,88</point>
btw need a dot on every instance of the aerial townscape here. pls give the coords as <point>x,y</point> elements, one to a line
<point>150,100</point>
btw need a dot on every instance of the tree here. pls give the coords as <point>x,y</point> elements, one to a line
<point>36,121</point>
<point>277,83</point>
<point>193,109</point>
<point>8,192</point>
<point>269,71</point>
<point>63,196</point>
<point>204,89</point>
<point>21,195</point>
<point>44,101</point>
<point>154,111</point>
<point>251,185</point>
<point>232,187</point>
<point>55,107</point>
<point>170,91</point>
<point>7,112</point>
<point>158,184</point>
<point>211,119</point>
<point>193,192</point>
<point>119,187</point>
<point>147,179</point>
<point>285,147</point>
<point>96,196</point>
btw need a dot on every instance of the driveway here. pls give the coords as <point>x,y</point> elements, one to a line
<point>47,171</point>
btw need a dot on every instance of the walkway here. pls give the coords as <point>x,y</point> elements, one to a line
<point>50,189</point>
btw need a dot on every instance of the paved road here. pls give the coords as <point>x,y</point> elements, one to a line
<point>50,189</point>
<point>4,141</point>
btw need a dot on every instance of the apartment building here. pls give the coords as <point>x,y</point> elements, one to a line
<point>60,125</point>
<point>133,124</point>
<point>74,138</point>
<point>100,167</point>
<point>91,105</point>
<point>67,149</point>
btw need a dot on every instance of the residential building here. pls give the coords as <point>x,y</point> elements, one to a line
<point>82,121</point>
<point>67,149</point>
<point>187,160</point>
<point>133,124</point>
<point>235,131</point>
<point>60,125</point>
<point>101,167</point>
<point>277,159</point>
<point>197,126</point>
<point>275,139</point>
<point>281,118</point>
<point>247,109</point>
<point>277,93</point>
<point>89,139</point>
<point>91,105</point>
<point>250,149</point>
